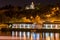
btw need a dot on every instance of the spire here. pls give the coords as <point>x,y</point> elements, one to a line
<point>32,6</point>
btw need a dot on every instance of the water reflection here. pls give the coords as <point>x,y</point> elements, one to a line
<point>57,36</point>
<point>30,35</point>
<point>52,36</point>
<point>36,35</point>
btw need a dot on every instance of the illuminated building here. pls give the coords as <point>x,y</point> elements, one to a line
<point>51,25</point>
<point>22,25</point>
<point>25,25</point>
<point>30,6</point>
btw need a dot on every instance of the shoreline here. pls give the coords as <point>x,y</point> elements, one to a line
<point>31,30</point>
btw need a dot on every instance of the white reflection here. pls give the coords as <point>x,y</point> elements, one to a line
<point>34,36</point>
<point>20,34</point>
<point>24,35</point>
<point>43,36</point>
<point>38,36</point>
<point>28,35</point>
<point>52,36</point>
<point>31,36</point>
<point>56,36</point>
<point>12,33</point>
<point>16,33</point>
<point>47,36</point>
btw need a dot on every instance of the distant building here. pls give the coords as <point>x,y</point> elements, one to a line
<point>21,25</point>
<point>32,6</point>
<point>51,25</point>
<point>25,25</point>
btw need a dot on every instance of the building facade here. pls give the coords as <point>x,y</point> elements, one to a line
<point>51,25</point>
<point>22,25</point>
<point>25,25</point>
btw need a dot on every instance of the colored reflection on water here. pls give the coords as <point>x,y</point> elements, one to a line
<point>37,35</point>
<point>29,35</point>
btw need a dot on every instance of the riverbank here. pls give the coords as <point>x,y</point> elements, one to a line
<point>31,30</point>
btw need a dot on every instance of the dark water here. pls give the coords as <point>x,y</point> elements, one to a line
<point>28,36</point>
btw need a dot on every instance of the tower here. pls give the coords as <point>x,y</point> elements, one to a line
<point>32,6</point>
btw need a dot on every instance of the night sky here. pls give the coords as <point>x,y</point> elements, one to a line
<point>23,2</point>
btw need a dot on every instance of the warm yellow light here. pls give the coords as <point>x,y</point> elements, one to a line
<point>31,17</point>
<point>52,12</point>
<point>37,16</point>
<point>48,38</point>
<point>48,15</point>
<point>57,8</point>
<point>53,8</point>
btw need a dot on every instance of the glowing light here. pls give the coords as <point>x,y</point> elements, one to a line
<point>48,15</point>
<point>27,7</point>
<point>57,8</point>
<point>47,36</point>
<point>52,12</point>
<point>31,17</point>
<point>53,8</point>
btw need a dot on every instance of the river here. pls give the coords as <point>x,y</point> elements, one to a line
<point>19,35</point>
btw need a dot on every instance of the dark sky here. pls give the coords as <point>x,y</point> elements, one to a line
<point>23,2</point>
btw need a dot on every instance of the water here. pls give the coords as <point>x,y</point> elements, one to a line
<point>15,35</point>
